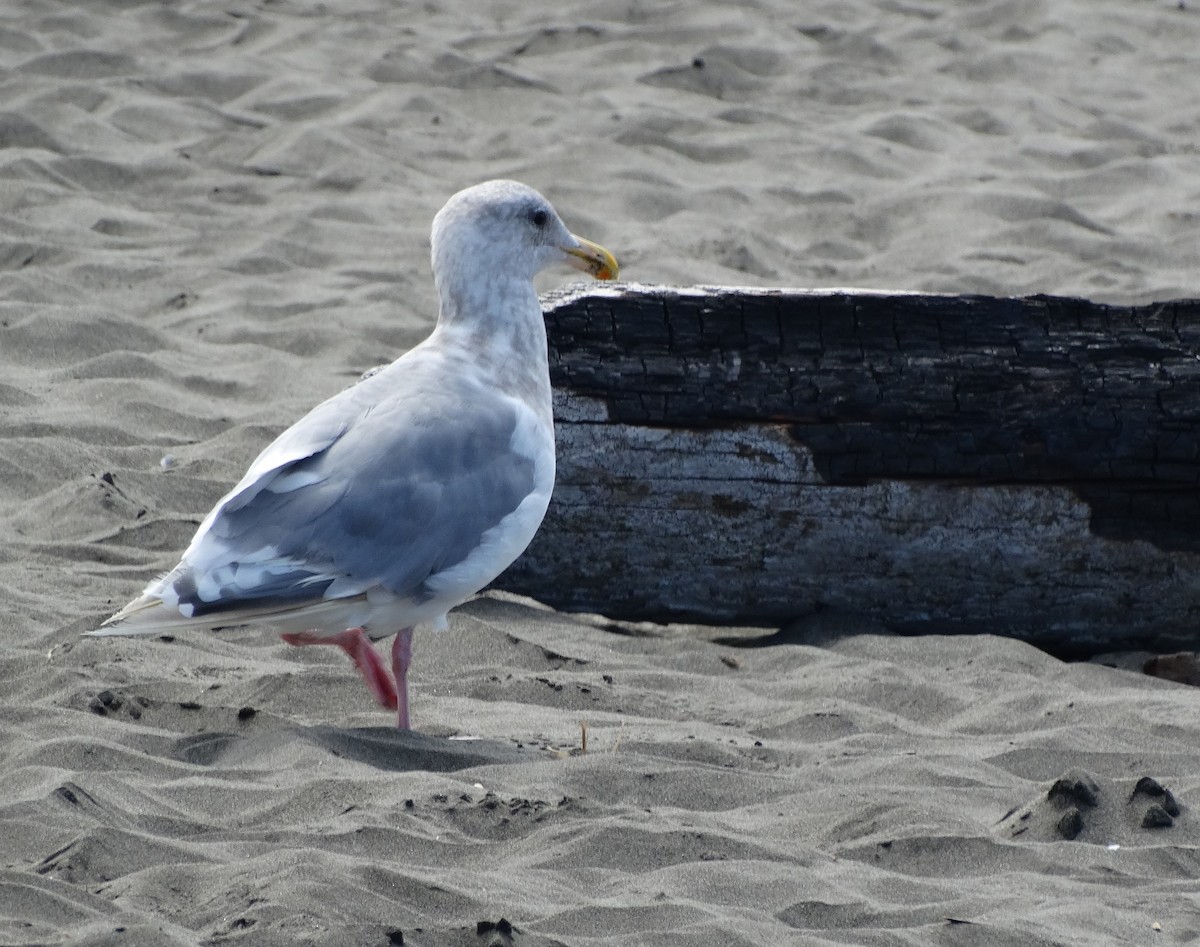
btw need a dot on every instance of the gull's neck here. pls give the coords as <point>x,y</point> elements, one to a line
<point>497,323</point>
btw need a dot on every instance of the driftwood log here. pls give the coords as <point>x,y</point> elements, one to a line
<point>1027,467</point>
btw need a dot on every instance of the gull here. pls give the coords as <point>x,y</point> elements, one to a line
<point>406,494</point>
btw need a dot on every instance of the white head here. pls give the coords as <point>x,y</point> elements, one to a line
<point>505,230</point>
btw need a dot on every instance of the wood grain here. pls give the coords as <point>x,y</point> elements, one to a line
<point>1027,466</point>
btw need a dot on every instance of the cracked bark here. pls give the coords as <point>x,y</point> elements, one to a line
<point>1027,467</point>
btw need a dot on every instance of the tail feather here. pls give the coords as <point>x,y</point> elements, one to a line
<point>136,607</point>
<point>148,614</point>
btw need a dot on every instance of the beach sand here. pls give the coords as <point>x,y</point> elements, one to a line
<point>214,216</point>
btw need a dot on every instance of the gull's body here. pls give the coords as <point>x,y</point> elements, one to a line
<point>404,495</point>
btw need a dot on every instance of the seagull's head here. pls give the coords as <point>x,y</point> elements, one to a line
<point>504,227</point>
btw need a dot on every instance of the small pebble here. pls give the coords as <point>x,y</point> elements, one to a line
<point>1071,824</point>
<point>1078,788</point>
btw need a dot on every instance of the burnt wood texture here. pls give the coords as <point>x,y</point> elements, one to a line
<point>1020,466</point>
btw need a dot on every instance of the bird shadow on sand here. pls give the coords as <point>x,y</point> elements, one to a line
<point>384,748</point>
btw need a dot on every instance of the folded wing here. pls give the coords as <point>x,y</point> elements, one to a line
<point>371,490</point>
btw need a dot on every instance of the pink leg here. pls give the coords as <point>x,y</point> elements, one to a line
<point>355,643</point>
<point>401,659</point>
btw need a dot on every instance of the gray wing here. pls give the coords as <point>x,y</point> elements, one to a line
<point>392,492</point>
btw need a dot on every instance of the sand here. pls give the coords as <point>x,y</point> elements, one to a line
<point>214,215</point>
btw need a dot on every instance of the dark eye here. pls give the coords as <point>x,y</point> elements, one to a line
<point>539,218</point>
